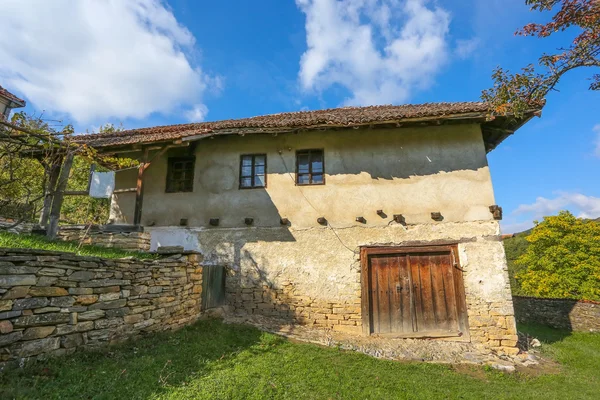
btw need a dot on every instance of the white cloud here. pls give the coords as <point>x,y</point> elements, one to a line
<point>197,113</point>
<point>380,50</point>
<point>466,47</point>
<point>580,205</point>
<point>96,60</point>
<point>596,130</point>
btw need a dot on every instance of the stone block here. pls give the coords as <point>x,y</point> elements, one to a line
<point>6,305</point>
<point>107,282</point>
<point>85,326</point>
<point>38,332</point>
<point>133,319</point>
<point>86,299</point>
<point>47,291</point>
<point>46,281</point>
<point>9,314</point>
<point>108,323</point>
<point>11,269</point>
<point>10,338</point>
<point>32,302</point>
<point>41,320</point>
<point>81,291</point>
<point>52,272</point>
<point>103,334</point>
<point>71,341</point>
<point>106,305</point>
<point>108,289</point>
<point>17,280</point>
<point>6,327</point>
<point>82,276</point>
<point>45,310</point>
<point>40,346</point>
<point>109,296</point>
<point>91,315</point>
<point>155,289</point>
<point>118,312</point>
<point>16,292</point>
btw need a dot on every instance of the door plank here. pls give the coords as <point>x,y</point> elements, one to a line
<point>439,297</point>
<point>450,293</point>
<point>405,309</point>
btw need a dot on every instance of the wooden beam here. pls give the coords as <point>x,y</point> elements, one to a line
<point>59,195</point>
<point>53,171</point>
<point>127,190</point>
<point>139,190</point>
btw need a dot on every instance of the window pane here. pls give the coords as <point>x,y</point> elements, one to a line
<point>302,163</point>
<point>246,182</point>
<point>259,169</point>
<point>259,160</point>
<point>246,161</point>
<point>259,180</point>
<point>176,175</point>
<point>246,171</point>
<point>317,179</point>
<point>303,179</point>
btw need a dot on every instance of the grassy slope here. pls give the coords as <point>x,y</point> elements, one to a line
<point>12,240</point>
<point>211,360</point>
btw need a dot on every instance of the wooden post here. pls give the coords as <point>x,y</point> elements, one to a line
<point>53,171</point>
<point>59,195</point>
<point>139,190</point>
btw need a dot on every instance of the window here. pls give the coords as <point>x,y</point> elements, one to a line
<point>253,171</point>
<point>310,167</point>
<point>180,174</point>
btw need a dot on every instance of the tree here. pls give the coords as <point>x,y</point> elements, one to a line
<point>563,259</point>
<point>517,93</point>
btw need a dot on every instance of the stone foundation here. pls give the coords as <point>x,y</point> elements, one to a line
<point>56,303</point>
<point>312,276</point>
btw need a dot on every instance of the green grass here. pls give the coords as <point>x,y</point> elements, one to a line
<point>210,360</point>
<point>15,241</point>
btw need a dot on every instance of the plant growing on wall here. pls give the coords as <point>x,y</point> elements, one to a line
<point>563,259</point>
<point>517,92</point>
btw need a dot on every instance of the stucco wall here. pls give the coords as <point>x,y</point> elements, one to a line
<point>409,171</point>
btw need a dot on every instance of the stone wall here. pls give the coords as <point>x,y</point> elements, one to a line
<point>55,303</point>
<point>97,236</point>
<point>572,315</point>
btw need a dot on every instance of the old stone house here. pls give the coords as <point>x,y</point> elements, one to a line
<point>371,220</point>
<point>8,102</point>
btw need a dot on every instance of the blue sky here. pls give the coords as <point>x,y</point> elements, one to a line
<point>151,62</point>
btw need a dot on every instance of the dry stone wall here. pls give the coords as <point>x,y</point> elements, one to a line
<point>55,303</point>
<point>572,315</point>
<point>131,241</point>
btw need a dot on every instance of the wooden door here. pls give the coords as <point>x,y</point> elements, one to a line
<point>413,292</point>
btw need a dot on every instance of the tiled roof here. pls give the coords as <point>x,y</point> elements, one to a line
<point>342,117</point>
<point>5,93</point>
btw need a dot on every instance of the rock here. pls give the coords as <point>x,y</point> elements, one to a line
<point>16,292</point>
<point>17,269</point>
<point>52,272</point>
<point>46,281</point>
<point>6,305</point>
<point>155,289</point>
<point>80,276</point>
<point>91,315</point>
<point>109,296</point>
<point>80,291</point>
<point>17,280</point>
<point>117,312</point>
<point>535,343</point>
<point>133,319</point>
<point>87,299</point>
<point>35,347</point>
<point>9,314</point>
<point>503,366</point>
<point>45,310</point>
<point>10,338</point>
<point>70,341</point>
<point>47,291</point>
<point>66,301</point>
<point>169,249</point>
<point>103,334</point>
<point>107,323</point>
<point>32,302</point>
<point>105,305</point>
<point>107,282</point>
<point>6,327</point>
<point>107,289</point>
<point>38,332</point>
<point>41,319</point>
<point>85,326</point>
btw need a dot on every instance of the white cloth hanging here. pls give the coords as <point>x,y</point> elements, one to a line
<point>102,185</point>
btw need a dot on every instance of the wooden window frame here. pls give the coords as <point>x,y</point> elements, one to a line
<point>459,286</point>
<point>254,155</point>
<point>170,163</point>
<point>310,173</point>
